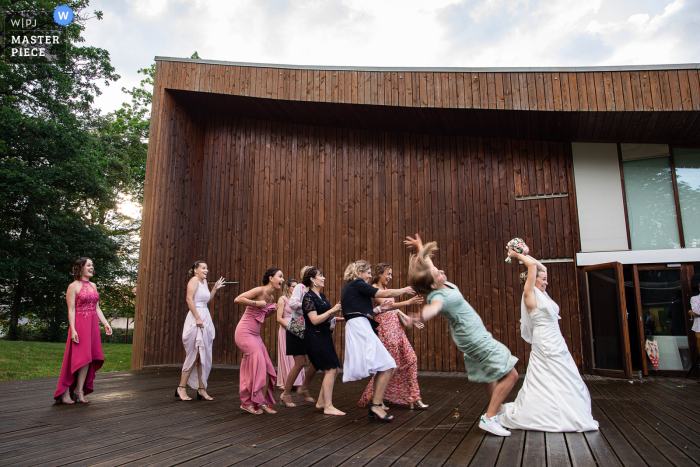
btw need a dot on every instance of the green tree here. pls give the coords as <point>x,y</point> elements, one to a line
<point>58,171</point>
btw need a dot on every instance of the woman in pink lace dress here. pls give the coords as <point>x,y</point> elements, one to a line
<point>285,361</point>
<point>257,375</point>
<point>83,355</point>
<point>403,386</point>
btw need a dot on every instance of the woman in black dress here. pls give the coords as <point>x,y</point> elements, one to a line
<point>318,315</point>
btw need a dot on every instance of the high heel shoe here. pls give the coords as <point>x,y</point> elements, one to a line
<point>287,404</point>
<point>418,405</point>
<point>80,398</point>
<point>372,415</point>
<point>178,394</point>
<point>267,409</point>
<point>306,395</point>
<point>203,398</point>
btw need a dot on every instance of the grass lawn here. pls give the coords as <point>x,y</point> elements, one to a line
<point>24,360</point>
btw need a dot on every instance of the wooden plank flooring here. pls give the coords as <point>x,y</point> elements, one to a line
<point>134,419</point>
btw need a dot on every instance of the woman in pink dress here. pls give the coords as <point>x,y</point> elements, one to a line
<point>83,355</point>
<point>284,361</point>
<point>257,375</point>
<point>403,386</point>
<point>198,333</point>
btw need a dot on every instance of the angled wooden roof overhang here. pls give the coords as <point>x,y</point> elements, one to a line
<point>632,104</point>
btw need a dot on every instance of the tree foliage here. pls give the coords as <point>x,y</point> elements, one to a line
<point>62,167</point>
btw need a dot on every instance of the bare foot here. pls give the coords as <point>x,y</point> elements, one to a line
<point>306,395</point>
<point>332,411</point>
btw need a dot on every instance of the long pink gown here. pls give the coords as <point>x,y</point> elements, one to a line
<point>88,350</point>
<point>198,341</point>
<point>256,363</point>
<point>285,362</point>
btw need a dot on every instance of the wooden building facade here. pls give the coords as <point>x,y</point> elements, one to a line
<point>251,166</point>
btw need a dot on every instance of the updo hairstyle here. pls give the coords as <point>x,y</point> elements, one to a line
<point>195,266</point>
<point>523,276</point>
<point>287,286</point>
<point>310,273</point>
<point>269,273</point>
<point>354,270</point>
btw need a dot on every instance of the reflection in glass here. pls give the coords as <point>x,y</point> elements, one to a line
<point>651,206</point>
<point>687,162</point>
<point>665,317</point>
<point>605,319</point>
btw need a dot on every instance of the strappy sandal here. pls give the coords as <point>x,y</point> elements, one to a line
<point>252,410</point>
<point>305,394</point>
<point>267,409</point>
<point>372,415</point>
<point>206,397</point>
<point>80,398</point>
<point>418,405</point>
<point>186,398</point>
<point>287,404</point>
<point>62,399</point>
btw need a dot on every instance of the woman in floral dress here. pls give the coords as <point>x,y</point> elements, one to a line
<point>403,387</point>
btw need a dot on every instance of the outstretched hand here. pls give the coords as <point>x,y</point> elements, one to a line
<point>219,284</point>
<point>412,242</point>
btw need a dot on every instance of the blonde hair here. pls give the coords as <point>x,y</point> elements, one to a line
<point>354,270</point>
<point>286,291</point>
<point>420,276</point>
<point>523,276</point>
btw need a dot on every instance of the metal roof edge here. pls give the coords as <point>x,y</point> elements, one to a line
<point>681,66</point>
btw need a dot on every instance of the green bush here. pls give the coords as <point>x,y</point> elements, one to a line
<point>29,333</point>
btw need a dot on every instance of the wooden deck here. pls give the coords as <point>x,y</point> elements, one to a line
<point>134,419</point>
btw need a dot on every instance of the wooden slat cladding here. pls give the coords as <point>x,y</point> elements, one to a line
<point>643,90</point>
<point>247,194</point>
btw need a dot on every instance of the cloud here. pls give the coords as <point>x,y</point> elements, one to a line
<point>411,33</point>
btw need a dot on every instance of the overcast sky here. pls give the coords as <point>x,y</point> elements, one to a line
<point>444,33</point>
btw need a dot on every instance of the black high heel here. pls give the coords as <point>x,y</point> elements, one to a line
<point>201,397</point>
<point>372,415</point>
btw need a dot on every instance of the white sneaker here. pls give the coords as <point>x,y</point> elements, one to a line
<point>492,425</point>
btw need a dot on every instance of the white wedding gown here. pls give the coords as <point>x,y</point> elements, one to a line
<point>553,397</point>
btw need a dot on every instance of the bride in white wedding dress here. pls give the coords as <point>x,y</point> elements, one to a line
<point>553,396</point>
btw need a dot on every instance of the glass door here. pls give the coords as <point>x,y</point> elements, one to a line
<point>665,317</point>
<point>609,320</point>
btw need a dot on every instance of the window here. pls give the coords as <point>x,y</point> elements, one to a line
<point>687,162</point>
<point>660,186</point>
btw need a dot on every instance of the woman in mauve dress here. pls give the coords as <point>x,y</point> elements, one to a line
<point>83,355</point>
<point>403,387</point>
<point>285,362</point>
<point>198,333</point>
<point>257,375</point>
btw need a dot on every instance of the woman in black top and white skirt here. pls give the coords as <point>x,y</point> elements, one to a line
<point>318,315</point>
<point>364,352</point>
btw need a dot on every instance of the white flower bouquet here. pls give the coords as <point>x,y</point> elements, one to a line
<point>517,244</point>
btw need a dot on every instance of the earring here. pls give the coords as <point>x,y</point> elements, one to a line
<point>314,283</point>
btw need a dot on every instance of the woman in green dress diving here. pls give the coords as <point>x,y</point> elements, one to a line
<point>486,360</point>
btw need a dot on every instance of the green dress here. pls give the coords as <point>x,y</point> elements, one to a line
<point>486,359</point>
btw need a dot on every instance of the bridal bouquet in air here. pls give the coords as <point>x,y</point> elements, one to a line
<point>517,244</point>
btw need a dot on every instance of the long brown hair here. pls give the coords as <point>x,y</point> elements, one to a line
<point>377,272</point>
<point>78,267</point>
<point>420,277</point>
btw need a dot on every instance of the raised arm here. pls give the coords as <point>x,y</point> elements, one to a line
<point>532,266</point>
<point>297,296</point>
<point>217,286</point>
<point>390,293</point>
